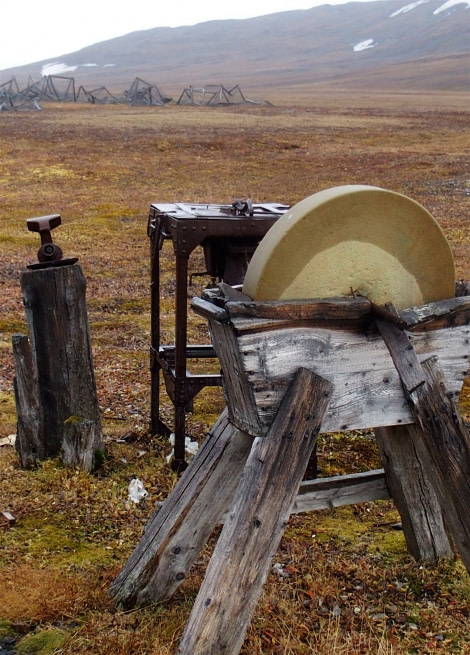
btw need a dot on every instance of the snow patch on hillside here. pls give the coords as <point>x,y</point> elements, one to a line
<point>450,4</point>
<point>59,67</point>
<point>447,5</point>
<point>407,8</point>
<point>364,45</point>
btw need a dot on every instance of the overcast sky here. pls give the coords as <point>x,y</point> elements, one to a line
<point>33,30</point>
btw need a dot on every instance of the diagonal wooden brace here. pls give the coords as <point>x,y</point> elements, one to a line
<point>256,521</point>
<point>442,441</point>
<point>177,532</point>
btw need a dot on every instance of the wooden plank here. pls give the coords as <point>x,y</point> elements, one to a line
<point>442,444</point>
<point>446,441</point>
<point>237,390</point>
<point>367,388</point>
<point>413,493</point>
<point>209,310</point>
<point>318,310</point>
<point>325,493</point>
<point>446,313</point>
<point>30,440</point>
<point>403,355</point>
<point>256,521</point>
<point>181,526</point>
<point>345,313</point>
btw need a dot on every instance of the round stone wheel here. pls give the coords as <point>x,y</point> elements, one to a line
<point>354,239</point>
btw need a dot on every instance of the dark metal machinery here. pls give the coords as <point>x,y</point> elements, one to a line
<point>228,234</point>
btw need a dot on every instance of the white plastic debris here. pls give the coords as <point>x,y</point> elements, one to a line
<point>190,448</point>
<point>136,491</point>
<point>280,570</point>
<point>8,441</point>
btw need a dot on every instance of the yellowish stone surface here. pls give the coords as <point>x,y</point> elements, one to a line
<point>354,238</point>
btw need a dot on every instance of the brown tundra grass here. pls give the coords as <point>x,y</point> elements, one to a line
<point>350,586</point>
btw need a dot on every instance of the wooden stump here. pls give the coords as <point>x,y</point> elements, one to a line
<point>63,411</point>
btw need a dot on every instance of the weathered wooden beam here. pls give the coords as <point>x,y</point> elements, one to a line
<point>178,530</point>
<point>318,310</point>
<point>256,521</point>
<point>403,355</point>
<point>443,314</point>
<point>442,443</point>
<point>325,493</point>
<point>30,441</point>
<point>413,493</point>
<point>352,312</point>
<point>238,392</point>
<point>446,442</point>
<point>367,387</point>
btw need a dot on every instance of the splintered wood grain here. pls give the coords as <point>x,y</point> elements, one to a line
<point>368,391</point>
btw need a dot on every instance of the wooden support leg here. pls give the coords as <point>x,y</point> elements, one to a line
<point>442,443</point>
<point>444,446</point>
<point>177,532</point>
<point>256,521</point>
<point>413,493</point>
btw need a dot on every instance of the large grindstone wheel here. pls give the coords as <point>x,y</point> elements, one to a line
<point>354,239</point>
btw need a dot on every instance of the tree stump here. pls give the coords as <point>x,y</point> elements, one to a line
<point>57,406</point>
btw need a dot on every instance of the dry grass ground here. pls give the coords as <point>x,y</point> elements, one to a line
<point>350,586</point>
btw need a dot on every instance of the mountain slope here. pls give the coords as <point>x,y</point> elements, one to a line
<point>390,43</point>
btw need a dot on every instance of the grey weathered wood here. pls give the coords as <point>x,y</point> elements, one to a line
<point>30,426</point>
<point>320,312</point>
<point>325,493</point>
<point>462,288</point>
<point>209,310</point>
<point>367,388</point>
<point>413,493</point>
<point>446,313</point>
<point>256,521</point>
<point>445,452</point>
<point>442,443</point>
<point>237,390</point>
<point>261,353</point>
<point>56,314</point>
<point>234,294</point>
<point>181,526</point>
<point>403,355</point>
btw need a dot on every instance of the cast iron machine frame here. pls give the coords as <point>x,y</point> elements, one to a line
<point>229,234</point>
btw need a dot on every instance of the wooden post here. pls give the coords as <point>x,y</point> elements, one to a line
<point>442,441</point>
<point>179,529</point>
<point>60,363</point>
<point>256,521</point>
<point>413,494</point>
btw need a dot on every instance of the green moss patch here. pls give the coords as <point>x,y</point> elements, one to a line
<point>46,642</point>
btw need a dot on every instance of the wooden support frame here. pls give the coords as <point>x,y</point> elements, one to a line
<point>420,437</point>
